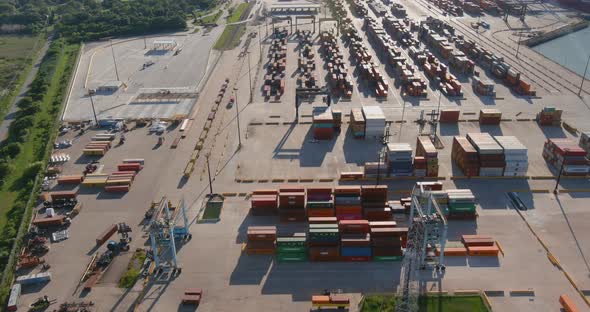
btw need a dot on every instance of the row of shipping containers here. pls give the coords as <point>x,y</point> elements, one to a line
<point>566,154</point>
<point>274,80</point>
<point>480,154</point>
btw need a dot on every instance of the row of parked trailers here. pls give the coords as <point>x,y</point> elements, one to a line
<point>480,154</point>
<point>339,80</point>
<point>274,80</point>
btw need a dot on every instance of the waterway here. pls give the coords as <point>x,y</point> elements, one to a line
<point>571,50</point>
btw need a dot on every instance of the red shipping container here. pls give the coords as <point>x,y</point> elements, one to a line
<point>354,226</point>
<point>316,220</point>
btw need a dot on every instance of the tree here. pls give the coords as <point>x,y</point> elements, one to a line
<point>11,150</point>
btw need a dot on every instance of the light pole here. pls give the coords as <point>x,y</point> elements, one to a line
<point>92,105</point>
<point>584,76</point>
<point>249,77</point>
<point>209,173</point>
<point>114,60</point>
<point>238,118</point>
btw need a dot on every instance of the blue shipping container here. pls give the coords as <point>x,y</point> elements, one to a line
<point>355,251</point>
<point>34,278</point>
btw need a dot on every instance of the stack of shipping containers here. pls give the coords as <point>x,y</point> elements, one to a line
<point>490,117</point>
<point>549,116</point>
<point>465,155</point>
<point>449,115</point>
<point>386,240</point>
<point>357,123</point>
<point>374,121</point>
<point>264,202</point>
<point>292,204</point>
<point>461,204</point>
<point>373,196</point>
<point>425,148</point>
<point>491,155</point>
<point>515,155</point>
<point>347,200</point>
<point>355,240</point>
<point>419,166</point>
<point>399,159</point>
<point>567,153</point>
<point>323,124</point>
<point>320,202</point>
<point>291,248</point>
<point>324,239</point>
<point>261,240</point>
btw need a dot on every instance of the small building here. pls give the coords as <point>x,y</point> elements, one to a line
<point>164,44</point>
<point>110,86</point>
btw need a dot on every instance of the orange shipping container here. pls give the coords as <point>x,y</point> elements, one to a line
<point>567,304</point>
<point>483,250</point>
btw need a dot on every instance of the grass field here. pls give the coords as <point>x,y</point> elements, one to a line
<point>230,38</point>
<point>237,13</point>
<point>16,54</point>
<point>210,19</point>
<point>378,303</point>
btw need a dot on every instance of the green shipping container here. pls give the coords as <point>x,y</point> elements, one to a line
<point>291,257</point>
<point>291,241</point>
<point>320,204</point>
<point>284,249</point>
<point>388,258</point>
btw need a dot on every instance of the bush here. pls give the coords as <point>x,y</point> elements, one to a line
<point>11,150</point>
<point>32,170</point>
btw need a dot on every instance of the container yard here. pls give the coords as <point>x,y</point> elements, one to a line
<point>344,149</point>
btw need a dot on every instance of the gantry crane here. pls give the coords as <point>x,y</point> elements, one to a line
<point>427,230</point>
<point>168,227</point>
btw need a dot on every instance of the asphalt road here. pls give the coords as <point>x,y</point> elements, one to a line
<point>10,116</point>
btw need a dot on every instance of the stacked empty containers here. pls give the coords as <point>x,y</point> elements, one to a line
<point>355,240</point>
<point>425,148</point>
<point>449,115</point>
<point>357,123</point>
<point>320,202</point>
<point>261,240</point>
<point>480,245</point>
<point>491,155</point>
<point>465,155</point>
<point>515,156</point>
<point>347,200</point>
<point>324,240</point>
<point>399,159</point>
<point>291,248</point>
<point>374,121</point>
<point>386,240</point>
<point>323,124</point>
<point>292,204</point>
<point>264,202</point>
<point>568,153</point>
<point>461,204</point>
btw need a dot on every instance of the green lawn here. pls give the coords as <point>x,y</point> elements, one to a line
<point>16,57</point>
<point>237,13</point>
<point>230,38</point>
<point>378,303</point>
<point>210,19</point>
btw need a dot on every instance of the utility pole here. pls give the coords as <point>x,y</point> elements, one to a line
<point>266,22</point>
<point>401,125</point>
<point>114,60</point>
<point>249,78</point>
<point>92,105</point>
<point>238,118</point>
<point>584,76</point>
<point>144,43</point>
<point>518,46</point>
<point>209,173</point>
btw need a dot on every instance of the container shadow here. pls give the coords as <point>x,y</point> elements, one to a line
<point>450,129</point>
<point>359,151</point>
<point>250,269</point>
<point>305,279</point>
<point>313,152</point>
<point>552,132</point>
<point>491,129</point>
<point>482,261</point>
